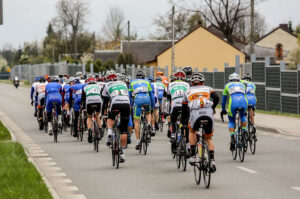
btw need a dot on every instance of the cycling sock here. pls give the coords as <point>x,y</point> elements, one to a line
<point>193,150</point>
<point>109,131</point>
<point>212,154</point>
<point>232,133</point>
<point>244,129</point>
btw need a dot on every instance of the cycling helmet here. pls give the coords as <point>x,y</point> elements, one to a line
<point>42,80</point>
<point>55,79</point>
<point>234,77</point>
<point>158,78</point>
<point>159,74</point>
<point>79,73</point>
<point>72,79</point>
<point>197,77</point>
<point>188,71</point>
<point>247,77</point>
<point>180,75</point>
<point>140,75</point>
<point>91,80</point>
<point>111,76</point>
<point>150,79</point>
<point>36,79</point>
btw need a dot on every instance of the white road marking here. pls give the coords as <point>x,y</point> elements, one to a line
<point>58,174</point>
<point>265,133</point>
<point>296,188</point>
<point>291,138</point>
<point>79,196</point>
<point>67,181</point>
<point>72,188</point>
<point>247,170</point>
<point>50,163</point>
<point>278,135</point>
<point>55,168</point>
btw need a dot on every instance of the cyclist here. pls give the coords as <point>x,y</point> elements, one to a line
<point>189,72</point>
<point>40,93</point>
<point>66,94</point>
<point>163,77</point>
<point>53,93</point>
<point>175,94</point>
<point>76,91</point>
<point>154,111</point>
<point>92,101</point>
<point>199,103</point>
<point>33,94</point>
<point>160,93</point>
<point>140,89</point>
<point>237,100</point>
<point>117,93</point>
<point>251,98</point>
<point>166,107</point>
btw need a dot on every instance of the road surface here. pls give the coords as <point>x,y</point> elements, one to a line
<point>273,172</point>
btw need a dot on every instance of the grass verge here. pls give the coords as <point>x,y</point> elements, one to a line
<point>4,133</point>
<point>278,113</point>
<point>18,177</point>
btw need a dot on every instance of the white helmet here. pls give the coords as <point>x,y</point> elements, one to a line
<point>234,77</point>
<point>197,77</point>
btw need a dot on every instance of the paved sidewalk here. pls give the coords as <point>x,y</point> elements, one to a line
<point>280,124</point>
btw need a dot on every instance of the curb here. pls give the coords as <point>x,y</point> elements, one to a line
<point>262,128</point>
<point>8,124</point>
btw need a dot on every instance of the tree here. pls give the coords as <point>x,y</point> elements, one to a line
<point>224,14</point>
<point>109,64</point>
<point>71,16</point>
<point>114,25</point>
<point>121,59</point>
<point>297,30</point>
<point>3,63</point>
<point>184,22</point>
<point>294,57</point>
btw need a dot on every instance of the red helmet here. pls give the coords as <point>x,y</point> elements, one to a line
<point>91,80</point>
<point>111,76</point>
<point>180,75</point>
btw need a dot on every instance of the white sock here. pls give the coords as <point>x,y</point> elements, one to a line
<point>109,131</point>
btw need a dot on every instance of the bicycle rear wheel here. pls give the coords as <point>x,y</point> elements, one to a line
<point>178,157</point>
<point>206,166</point>
<point>145,140</point>
<point>252,142</point>
<point>183,153</point>
<point>118,150</point>
<point>197,173</point>
<point>81,130</point>
<point>55,129</point>
<point>241,147</point>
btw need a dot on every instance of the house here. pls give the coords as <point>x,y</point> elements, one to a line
<point>279,39</point>
<point>143,51</point>
<point>201,49</point>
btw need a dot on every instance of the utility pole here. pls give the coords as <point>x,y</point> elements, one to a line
<point>128,31</point>
<point>1,12</point>
<point>53,58</point>
<point>173,35</point>
<point>252,27</point>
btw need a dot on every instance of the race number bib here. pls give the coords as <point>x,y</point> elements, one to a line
<point>250,90</point>
<point>236,89</point>
<point>78,92</point>
<point>142,89</point>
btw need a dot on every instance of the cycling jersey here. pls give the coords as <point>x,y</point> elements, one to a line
<point>66,93</point>
<point>155,95</point>
<point>40,92</point>
<point>117,92</point>
<point>53,94</point>
<point>176,92</point>
<point>237,100</point>
<point>92,94</point>
<point>160,89</point>
<point>250,93</point>
<point>198,99</point>
<point>165,80</point>
<point>76,91</point>
<point>141,90</point>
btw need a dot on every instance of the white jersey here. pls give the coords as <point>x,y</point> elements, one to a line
<point>40,88</point>
<point>34,85</point>
<point>117,91</point>
<point>177,90</point>
<point>92,93</point>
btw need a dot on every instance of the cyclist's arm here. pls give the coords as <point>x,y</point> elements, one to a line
<point>184,113</point>
<point>215,98</point>
<point>83,99</point>
<point>151,95</point>
<point>31,93</point>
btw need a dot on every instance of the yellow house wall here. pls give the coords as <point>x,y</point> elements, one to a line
<point>279,36</point>
<point>201,49</point>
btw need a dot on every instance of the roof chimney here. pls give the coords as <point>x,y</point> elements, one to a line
<point>284,27</point>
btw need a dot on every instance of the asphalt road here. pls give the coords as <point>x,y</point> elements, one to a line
<point>273,172</point>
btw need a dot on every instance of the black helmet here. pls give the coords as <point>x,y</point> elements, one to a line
<point>140,75</point>
<point>247,77</point>
<point>42,79</point>
<point>197,77</point>
<point>188,71</point>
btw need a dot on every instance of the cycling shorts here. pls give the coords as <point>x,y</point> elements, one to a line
<point>124,110</point>
<point>41,99</point>
<point>251,100</point>
<point>53,98</point>
<point>77,103</point>
<point>93,108</point>
<point>139,102</point>
<point>236,102</point>
<point>202,114</point>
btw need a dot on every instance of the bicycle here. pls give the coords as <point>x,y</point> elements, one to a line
<point>97,134</point>
<point>202,165</point>
<point>181,147</point>
<point>54,122</point>
<point>80,126</point>
<point>116,147</point>
<point>240,141</point>
<point>145,137</point>
<point>160,120</point>
<point>72,119</point>
<point>251,133</point>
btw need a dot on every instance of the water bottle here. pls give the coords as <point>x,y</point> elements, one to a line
<point>199,149</point>
<point>178,136</point>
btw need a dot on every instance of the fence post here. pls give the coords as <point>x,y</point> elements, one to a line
<point>204,69</point>
<point>282,65</point>
<point>267,61</point>
<point>196,69</point>
<point>91,67</point>
<point>253,57</point>
<point>152,71</point>
<point>237,64</point>
<point>122,68</point>
<point>83,68</point>
<point>133,71</point>
<point>226,65</point>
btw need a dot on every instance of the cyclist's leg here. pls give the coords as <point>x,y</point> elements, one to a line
<point>110,123</point>
<point>90,112</point>
<point>49,113</point>
<point>125,115</point>
<point>244,105</point>
<point>137,109</point>
<point>232,109</point>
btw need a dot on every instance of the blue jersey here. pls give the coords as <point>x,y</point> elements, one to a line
<point>53,93</point>
<point>160,89</point>
<point>75,94</point>
<point>141,88</point>
<point>53,88</point>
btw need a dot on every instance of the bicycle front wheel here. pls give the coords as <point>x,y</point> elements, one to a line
<point>145,140</point>
<point>118,150</point>
<point>197,173</point>
<point>183,155</point>
<point>241,147</point>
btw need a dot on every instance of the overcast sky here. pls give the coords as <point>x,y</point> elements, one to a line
<point>27,20</point>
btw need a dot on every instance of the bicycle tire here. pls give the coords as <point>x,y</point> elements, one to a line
<point>241,147</point>
<point>183,155</point>
<point>145,140</point>
<point>252,145</point>
<point>117,150</point>
<point>178,157</point>
<point>234,152</point>
<point>81,131</point>
<point>197,173</point>
<point>206,166</point>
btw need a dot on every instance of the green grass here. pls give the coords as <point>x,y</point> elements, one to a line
<point>26,83</point>
<point>278,113</point>
<point>5,81</point>
<point>18,177</point>
<point>4,133</point>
